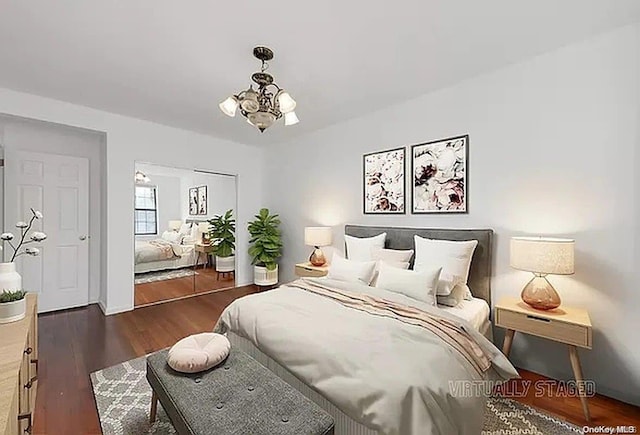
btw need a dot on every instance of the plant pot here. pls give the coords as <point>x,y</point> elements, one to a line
<point>265,277</point>
<point>226,264</point>
<point>10,280</point>
<point>13,311</point>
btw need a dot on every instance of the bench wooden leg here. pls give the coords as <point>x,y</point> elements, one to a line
<point>154,407</point>
<point>508,341</point>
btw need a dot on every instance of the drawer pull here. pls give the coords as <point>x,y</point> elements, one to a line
<point>31,381</point>
<point>26,416</point>
<point>540,319</point>
<point>28,351</point>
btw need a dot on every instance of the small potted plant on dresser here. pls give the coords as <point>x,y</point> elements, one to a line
<point>12,297</point>
<point>223,228</point>
<point>265,247</point>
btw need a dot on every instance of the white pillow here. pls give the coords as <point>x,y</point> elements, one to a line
<point>397,264</point>
<point>185,229</point>
<point>352,271</point>
<point>453,257</point>
<point>391,255</point>
<point>417,285</point>
<point>459,293</point>
<point>359,248</point>
<point>172,237</point>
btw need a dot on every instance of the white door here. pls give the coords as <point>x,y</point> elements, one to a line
<point>58,186</point>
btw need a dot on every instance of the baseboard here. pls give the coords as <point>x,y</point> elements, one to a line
<point>115,310</point>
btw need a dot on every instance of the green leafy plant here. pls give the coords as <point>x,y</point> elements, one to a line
<point>223,228</point>
<point>11,296</point>
<point>266,242</point>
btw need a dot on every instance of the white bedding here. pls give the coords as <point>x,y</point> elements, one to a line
<point>475,311</point>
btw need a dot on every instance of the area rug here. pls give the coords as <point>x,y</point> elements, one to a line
<point>163,275</point>
<point>123,398</point>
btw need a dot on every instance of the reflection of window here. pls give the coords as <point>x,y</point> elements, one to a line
<point>146,211</point>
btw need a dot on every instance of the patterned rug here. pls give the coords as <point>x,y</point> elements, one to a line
<point>123,397</point>
<point>163,275</point>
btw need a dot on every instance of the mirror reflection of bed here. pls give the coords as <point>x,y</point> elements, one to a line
<point>173,252</point>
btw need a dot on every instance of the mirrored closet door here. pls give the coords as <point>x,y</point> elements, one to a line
<point>184,231</point>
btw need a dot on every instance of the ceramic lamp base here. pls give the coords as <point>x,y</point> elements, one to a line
<point>540,294</point>
<point>317,257</point>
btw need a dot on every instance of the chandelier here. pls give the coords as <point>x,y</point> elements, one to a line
<point>266,104</point>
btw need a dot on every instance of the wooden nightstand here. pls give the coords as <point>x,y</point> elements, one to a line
<point>207,250</point>
<point>310,271</point>
<point>567,325</point>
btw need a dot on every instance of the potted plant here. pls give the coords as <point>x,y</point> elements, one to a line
<point>266,247</point>
<point>222,232</point>
<point>12,297</point>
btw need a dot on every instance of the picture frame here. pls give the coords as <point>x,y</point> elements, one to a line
<point>440,172</point>
<point>384,182</point>
<point>193,201</point>
<point>202,200</point>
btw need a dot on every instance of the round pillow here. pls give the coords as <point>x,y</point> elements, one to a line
<point>198,352</point>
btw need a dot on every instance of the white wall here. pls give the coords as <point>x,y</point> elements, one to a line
<point>552,145</point>
<point>43,137</point>
<point>130,140</point>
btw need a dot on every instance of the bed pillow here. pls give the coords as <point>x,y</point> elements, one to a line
<point>359,248</point>
<point>459,293</point>
<point>185,229</point>
<point>172,237</point>
<point>391,255</point>
<point>351,271</point>
<point>453,257</point>
<point>416,285</point>
<point>397,264</point>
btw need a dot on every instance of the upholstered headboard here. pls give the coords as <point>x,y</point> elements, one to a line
<point>402,238</point>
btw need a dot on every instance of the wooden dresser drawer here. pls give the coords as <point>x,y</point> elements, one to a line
<point>303,270</point>
<point>541,326</point>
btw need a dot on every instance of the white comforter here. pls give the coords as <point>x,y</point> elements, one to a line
<point>159,250</point>
<point>385,374</point>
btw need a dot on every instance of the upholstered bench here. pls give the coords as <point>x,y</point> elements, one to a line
<point>239,396</point>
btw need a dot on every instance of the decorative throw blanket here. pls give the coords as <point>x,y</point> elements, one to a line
<point>391,363</point>
<point>450,332</point>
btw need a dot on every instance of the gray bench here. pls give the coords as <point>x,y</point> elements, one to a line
<point>239,396</point>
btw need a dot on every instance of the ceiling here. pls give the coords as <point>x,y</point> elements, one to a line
<point>172,61</point>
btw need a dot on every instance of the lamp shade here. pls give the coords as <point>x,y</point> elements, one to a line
<point>175,225</point>
<point>204,227</point>
<point>291,118</point>
<point>317,236</point>
<point>229,106</point>
<point>543,255</point>
<point>286,103</point>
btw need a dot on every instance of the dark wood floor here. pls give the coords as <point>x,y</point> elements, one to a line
<point>75,343</point>
<point>205,280</point>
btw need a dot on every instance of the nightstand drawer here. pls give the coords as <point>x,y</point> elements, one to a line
<point>563,332</point>
<point>310,272</point>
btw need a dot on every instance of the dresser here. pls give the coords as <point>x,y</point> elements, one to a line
<point>18,371</point>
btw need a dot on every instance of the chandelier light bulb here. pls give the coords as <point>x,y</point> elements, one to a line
<point>287,104</point>
<point>229,106</point>
<point>291,118</point>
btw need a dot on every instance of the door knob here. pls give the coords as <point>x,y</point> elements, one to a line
<point>83,238</point>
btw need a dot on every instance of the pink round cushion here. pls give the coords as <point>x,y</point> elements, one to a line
<point>198,352</point>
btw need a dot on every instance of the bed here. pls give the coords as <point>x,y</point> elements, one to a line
<point>167,254</point>
<point>346,361</point>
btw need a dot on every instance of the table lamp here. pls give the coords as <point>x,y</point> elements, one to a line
<point>317,237</point>
<point>174,225</point>
<point>542,256</point>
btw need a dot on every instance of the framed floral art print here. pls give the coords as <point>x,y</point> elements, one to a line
<point>384,182</point>
<point>439,173</point>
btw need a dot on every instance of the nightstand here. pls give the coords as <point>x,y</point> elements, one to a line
<point>207,250</point>
<point>308,270</point>
<point>567,325</point>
